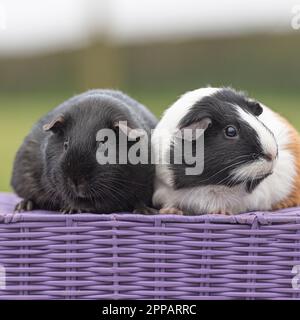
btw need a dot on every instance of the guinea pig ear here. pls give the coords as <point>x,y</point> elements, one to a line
<point>55,125</point>
<point>131,133</point>
<point>255,108</point>
<point>202,124</point>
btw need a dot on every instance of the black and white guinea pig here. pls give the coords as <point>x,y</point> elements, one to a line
<point>251,156</point>
<point>56,167</point>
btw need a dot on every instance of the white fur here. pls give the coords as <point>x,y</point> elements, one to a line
<point>269,146</point>
<point>267,140</point>
<point>221,199</point>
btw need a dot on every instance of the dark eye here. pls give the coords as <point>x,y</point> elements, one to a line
<point>66,145</point>
<point>231,132</point>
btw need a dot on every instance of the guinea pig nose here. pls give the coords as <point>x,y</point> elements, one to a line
<point>269,157</point>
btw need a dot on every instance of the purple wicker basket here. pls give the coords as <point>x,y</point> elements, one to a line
<point>46,255</point>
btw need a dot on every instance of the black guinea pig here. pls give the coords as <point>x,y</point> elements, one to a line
<point>56,167</point>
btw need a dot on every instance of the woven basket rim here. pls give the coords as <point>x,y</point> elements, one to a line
<point>262,218</point>
<point>290,215</point>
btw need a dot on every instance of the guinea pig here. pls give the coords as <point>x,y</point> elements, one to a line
<point>56,167</point>
<point>250,161</point>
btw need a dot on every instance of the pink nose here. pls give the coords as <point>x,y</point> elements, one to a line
<point>270,156</point>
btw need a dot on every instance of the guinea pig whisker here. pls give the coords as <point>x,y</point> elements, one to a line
<point>246,156</point>
<point>117,191</point>
<point>222,170</point>
<point>113,193</point>
<point>50,196</point>
<point>235,179</point>
<point>122,195</point>
<point>90,196</point>
<point>234,164</point>
<point>230,182</point>
<point>126,182</point>
<point>242,179</point>
<point>98,192</point>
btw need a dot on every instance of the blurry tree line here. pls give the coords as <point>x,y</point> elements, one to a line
<point>269,62</point>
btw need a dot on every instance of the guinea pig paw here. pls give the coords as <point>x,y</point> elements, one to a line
<point>23,206</point>
<point>224,212</point>
<point>171,211</point>
<point>145,210</point>
<point>70,211</point>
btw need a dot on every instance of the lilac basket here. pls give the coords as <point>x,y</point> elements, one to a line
<point>124,256</point>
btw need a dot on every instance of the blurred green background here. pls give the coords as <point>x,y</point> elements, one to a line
<point>266,65</point>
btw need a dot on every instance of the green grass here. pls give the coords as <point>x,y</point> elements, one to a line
<point>18,112</point>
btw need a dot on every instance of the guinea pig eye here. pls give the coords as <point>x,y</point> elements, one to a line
<point>66,145</point>
<point>231,132</point>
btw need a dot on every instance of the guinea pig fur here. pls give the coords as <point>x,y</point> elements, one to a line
<point>251,156</point>
<point>56,167</point>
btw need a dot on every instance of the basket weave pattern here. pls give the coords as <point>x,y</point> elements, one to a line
<point>123,256</point>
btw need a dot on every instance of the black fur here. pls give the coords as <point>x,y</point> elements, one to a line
<point>221,155</point>
<point>239,98</point>
<point>73,180</point>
